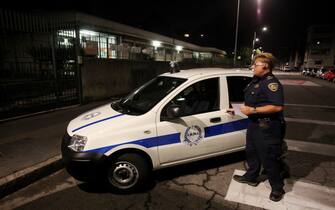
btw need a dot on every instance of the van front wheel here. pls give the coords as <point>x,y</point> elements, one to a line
<point>128,172</point>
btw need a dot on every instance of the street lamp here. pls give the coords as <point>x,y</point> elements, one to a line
<point>255,39</point>
<point>236,31</point>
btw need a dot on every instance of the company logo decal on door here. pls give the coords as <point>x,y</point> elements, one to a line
<point>193,135</point>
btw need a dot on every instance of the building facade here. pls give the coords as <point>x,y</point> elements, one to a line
<point>50,60</point>
<point>107,39</point>
<point>320,46</point>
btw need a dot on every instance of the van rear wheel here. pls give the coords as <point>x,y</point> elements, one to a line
<point>128,172</point>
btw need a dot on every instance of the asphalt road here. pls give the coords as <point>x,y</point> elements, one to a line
<point>310,112</point>
<point>310,106</point>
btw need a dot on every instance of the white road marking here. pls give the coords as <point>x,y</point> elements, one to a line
<point>312,106</point>
<point>20,201</point>
<point>286,73</point>
<point>298,82</point>
<point>23,172</point>
<point>299,195</point>
<point>301,120</point>
<point>315,148</point>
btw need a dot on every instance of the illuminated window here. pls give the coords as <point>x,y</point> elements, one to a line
<point>112,47</point>
<point>67,33</point>
<point>66,38</point>
<point>89,42</point>
<point>102,47</point>
<point>98,44</point>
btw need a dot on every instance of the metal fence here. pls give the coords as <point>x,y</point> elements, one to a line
<point>38,69</point>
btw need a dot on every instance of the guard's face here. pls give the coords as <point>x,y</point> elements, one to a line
<point>259,68</point>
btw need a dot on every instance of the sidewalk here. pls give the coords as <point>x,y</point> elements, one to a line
<point>30,147</point>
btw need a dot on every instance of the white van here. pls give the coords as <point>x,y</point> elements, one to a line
<point>173,119</point>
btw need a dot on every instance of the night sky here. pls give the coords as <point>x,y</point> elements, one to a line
<point>287,20</point>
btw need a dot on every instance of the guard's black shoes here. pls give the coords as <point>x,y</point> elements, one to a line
<point>277,195</point>
<point>244,180</point>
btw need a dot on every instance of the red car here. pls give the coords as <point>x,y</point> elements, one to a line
<point>330,75</point>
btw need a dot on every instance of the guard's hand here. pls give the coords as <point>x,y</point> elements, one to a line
<point>247,110</point>
<point>231,111</point>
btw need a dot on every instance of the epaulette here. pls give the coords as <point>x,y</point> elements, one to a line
<point>269,77</point>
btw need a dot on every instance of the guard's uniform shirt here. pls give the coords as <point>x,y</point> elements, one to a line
<point>265,131</point>
<point>264,91</point>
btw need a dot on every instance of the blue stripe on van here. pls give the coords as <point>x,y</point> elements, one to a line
<point>175,138</point>
<point>148,142</point>
<point>226,128</point>
<point>92,123</point>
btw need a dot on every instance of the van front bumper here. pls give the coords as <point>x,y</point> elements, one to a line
<point>83,166</point>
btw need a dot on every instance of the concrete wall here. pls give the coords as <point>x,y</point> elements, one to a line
<point>102,78</point>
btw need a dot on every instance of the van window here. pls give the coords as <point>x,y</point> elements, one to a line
<point>236,86</point>
<point>141,100</point>
<point>200,97</point>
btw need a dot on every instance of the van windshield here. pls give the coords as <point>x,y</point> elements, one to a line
<point>142,99</point>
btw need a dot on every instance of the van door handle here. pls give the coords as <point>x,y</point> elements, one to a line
<point>215,120</point>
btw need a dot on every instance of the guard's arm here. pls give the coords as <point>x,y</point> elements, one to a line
<point>267,109</point>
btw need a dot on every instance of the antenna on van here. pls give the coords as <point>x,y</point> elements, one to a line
<point>174,67</point>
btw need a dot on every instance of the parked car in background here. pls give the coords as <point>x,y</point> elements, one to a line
<point>286,68</point>
<point>320,72</point>
<point>305,72</point>
<point>330,75</point>
<point>313,72</point>
<point>296,69</point>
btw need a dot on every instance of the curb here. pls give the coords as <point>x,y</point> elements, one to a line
<point>56,109</point>
<point>22,178</point>
<point>38,113</point>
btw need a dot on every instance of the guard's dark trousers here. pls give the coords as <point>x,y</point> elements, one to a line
<point>264,147</point>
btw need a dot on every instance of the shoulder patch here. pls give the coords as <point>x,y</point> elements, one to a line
<point>273,86</point>
<point>269,77</point>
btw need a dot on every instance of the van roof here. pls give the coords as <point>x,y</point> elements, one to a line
<point>207,72</point>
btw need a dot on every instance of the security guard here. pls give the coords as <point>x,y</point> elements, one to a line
<point>264,100</point>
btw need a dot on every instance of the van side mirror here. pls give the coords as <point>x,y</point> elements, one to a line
<point>173,111</point>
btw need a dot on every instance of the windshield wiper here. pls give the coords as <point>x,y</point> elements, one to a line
<point>131,109</point>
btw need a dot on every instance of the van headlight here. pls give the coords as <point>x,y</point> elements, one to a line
<point>77,143</point>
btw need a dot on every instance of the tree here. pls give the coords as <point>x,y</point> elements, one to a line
<point>245,54</point>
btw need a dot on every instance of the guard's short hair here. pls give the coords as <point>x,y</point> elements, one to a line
<point>266,58</point>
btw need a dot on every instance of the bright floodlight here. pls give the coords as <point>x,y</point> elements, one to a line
<point>257,39</point>
<point>156,43</point>
<point>179,48</point>
<point>186,35</point>
<point>265,28</point>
